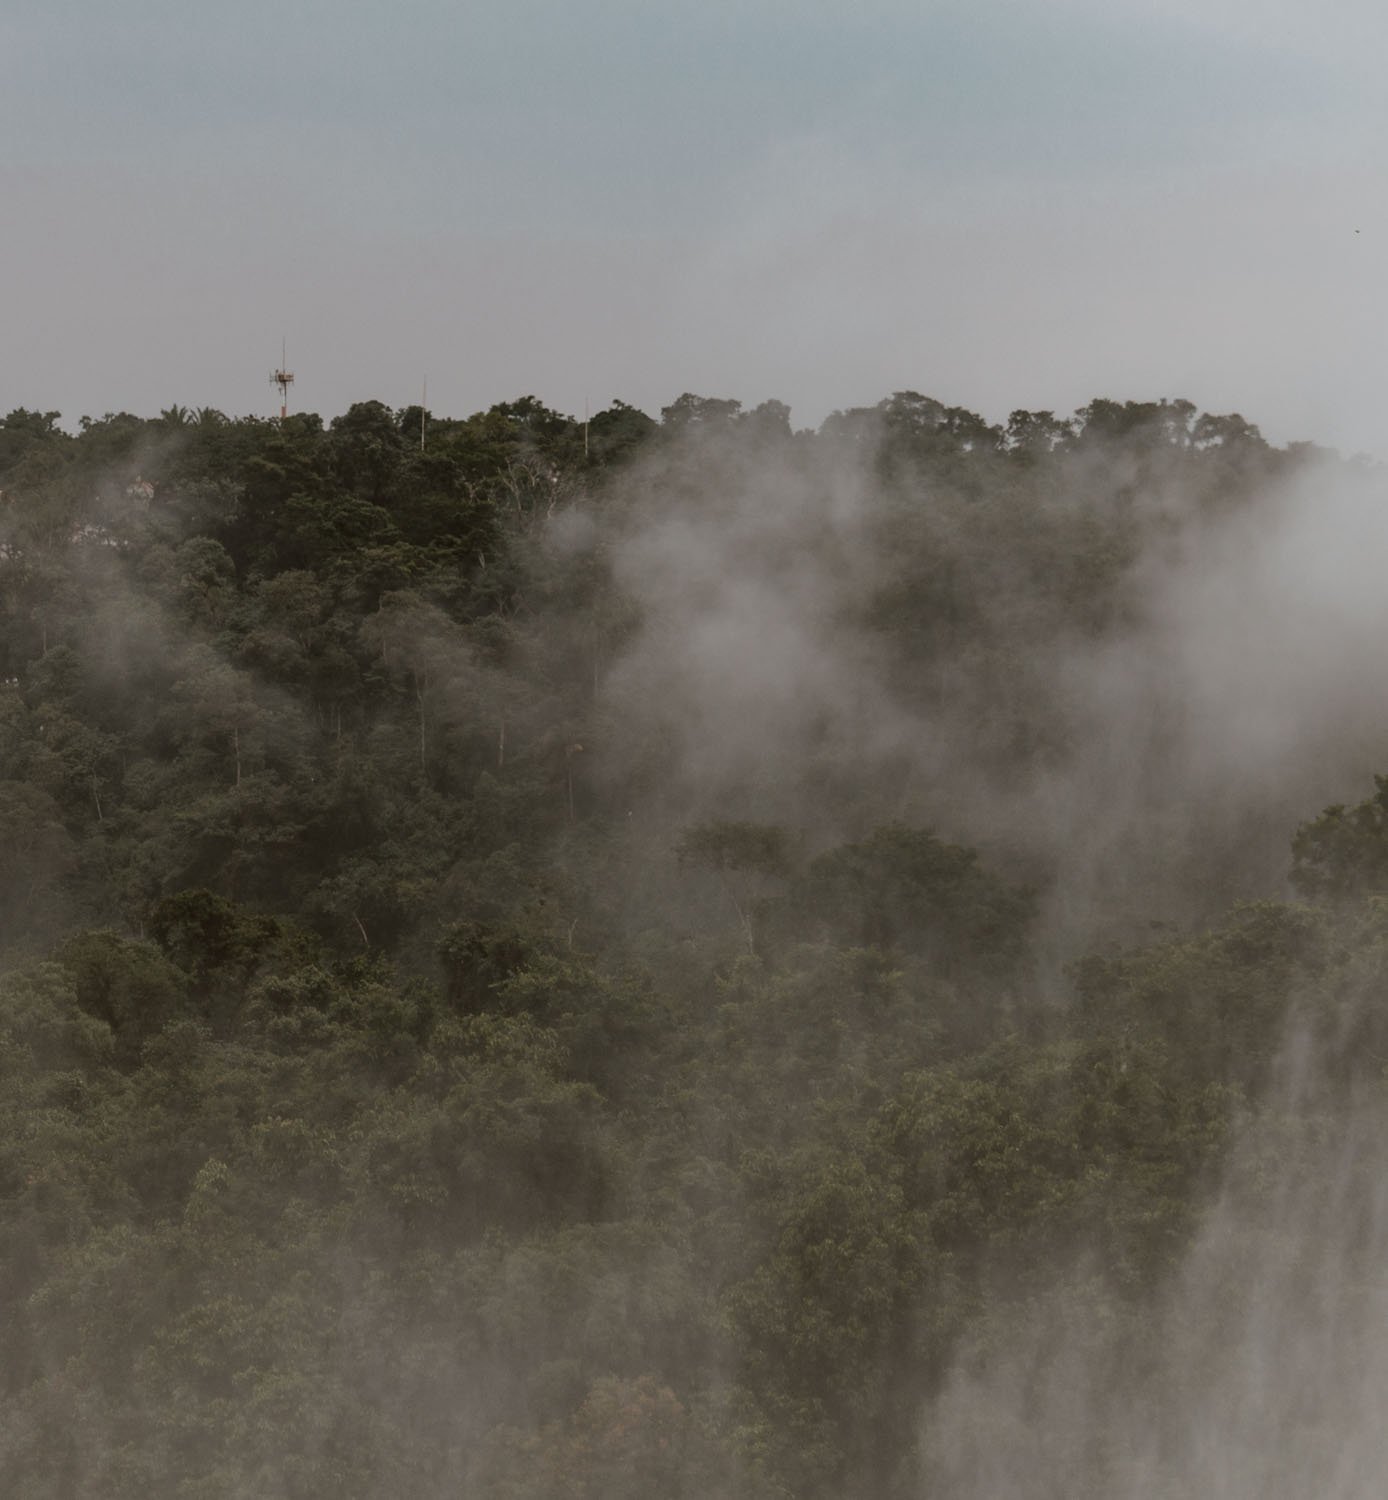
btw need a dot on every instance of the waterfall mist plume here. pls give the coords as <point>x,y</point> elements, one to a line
<point>1258,1368</point>
<point>1125,687</point>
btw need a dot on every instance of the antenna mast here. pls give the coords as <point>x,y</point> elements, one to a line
<point>284,378</point>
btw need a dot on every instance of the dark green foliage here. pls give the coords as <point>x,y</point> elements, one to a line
<point>748,858</point>
<point>128,985</point>
<point>902,888</point>
<point>417,1079</point>
<point>750,847</point>
<point>618,432</point>
<point>1344,852</point>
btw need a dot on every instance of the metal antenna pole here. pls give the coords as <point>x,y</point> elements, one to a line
<point>283,378</point>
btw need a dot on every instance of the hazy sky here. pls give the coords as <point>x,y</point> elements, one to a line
<point>1001,203</point>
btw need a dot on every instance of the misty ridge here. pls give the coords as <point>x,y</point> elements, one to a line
<point>551,958</point>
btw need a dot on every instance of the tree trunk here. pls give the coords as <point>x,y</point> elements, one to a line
<point>423,744</point>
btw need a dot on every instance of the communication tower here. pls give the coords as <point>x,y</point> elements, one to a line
<point>284,378</point>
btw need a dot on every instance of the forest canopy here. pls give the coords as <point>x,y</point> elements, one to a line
<point>643,956</point>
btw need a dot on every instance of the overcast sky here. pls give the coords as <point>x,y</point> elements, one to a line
<point>1000,203</point>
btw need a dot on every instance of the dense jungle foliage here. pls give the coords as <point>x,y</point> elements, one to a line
<point>451,1045</point>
